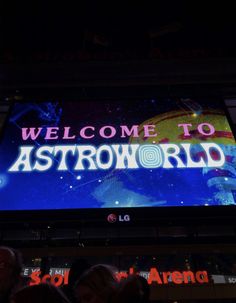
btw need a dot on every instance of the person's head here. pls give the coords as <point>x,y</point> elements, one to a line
<point>145,289</point>
<point>78,267</point>
<point>96,285</point>
<point>129,291</point>
<point>10,270</point>
<point>41,293</point>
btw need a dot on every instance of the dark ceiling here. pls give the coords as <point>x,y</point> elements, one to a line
<point>118,26</point>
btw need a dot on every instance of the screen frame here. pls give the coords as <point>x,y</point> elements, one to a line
<point>138,215</point>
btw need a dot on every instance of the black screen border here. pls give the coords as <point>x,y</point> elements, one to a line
<point>169,215</point>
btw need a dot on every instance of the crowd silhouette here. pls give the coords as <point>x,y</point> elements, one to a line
<point>86,284</point>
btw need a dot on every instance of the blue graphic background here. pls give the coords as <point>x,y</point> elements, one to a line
<point>113,188</point>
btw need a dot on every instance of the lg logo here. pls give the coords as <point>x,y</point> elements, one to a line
<point>112,218</point>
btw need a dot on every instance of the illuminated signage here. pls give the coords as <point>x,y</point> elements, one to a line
<point>117,154</point>
<point>57,279</point>
<point>154,276</point>
<point>112,218</point>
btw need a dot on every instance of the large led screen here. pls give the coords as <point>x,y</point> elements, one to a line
<point>111,154</point>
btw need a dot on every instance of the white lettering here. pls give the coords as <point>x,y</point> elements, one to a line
<point>23,161</point>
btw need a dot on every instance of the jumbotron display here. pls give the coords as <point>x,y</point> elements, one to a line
<point>117,154</point>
